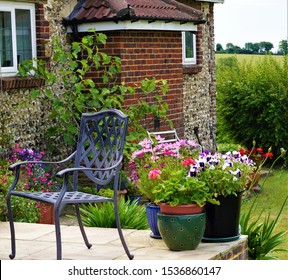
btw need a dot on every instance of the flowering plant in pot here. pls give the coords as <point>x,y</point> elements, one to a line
<point>154,164</point>
<point>186,194</point>
<point>259,157</point>
<point>257,154</point>
<point>226,175</point>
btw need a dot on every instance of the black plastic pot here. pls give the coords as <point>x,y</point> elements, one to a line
<point>222,221</point>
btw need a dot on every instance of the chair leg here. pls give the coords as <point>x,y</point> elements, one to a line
<point>58,233</point>
<point>12,228</point>
<point>89,245</point>
<point>120,232</point>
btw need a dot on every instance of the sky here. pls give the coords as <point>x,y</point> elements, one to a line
<point>242,21</point>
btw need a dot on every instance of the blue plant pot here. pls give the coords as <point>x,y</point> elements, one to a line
<point>135,197</point>
<point>151,212</point>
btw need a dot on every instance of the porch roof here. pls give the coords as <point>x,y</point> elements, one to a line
<point>120,10</point>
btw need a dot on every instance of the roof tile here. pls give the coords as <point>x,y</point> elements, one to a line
<point>103,10</point>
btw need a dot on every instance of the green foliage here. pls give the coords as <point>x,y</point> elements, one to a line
<point>71,91</point>
<point>24,210</point>
<point>180,189</point>
<point>5,135</point>
<point>252,102</point>
<point>227,147</point>
<point>262,239</point>
<point>132,215</point>
<point>106,192</point>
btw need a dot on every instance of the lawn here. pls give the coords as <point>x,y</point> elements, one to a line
<point>247,57</point>
<point>270,198</point>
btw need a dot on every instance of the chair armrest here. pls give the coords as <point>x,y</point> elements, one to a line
<point>20,163</point>
<point>83,169</point>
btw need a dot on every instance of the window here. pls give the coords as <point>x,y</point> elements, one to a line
<point>17,35</point>
<point>189,47</point>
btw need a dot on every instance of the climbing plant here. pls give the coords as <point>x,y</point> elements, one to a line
<point>71,90</point>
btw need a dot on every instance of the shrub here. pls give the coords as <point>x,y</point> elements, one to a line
<point>252,102</point>
<point>132,215</point>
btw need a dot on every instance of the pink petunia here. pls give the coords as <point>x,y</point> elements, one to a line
<point>188,162</point>
<point>153,174</point>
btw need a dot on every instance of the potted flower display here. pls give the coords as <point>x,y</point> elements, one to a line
<point>154,164</point>
<point>259,157</point>
<point>182,218</point>
<point>226,175</point>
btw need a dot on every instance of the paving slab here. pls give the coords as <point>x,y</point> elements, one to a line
<point>37,242</point>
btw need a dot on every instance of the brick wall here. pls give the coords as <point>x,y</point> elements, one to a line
<point>191,95</point>
<point>151,54</point>
<point>237,251</point>
<point>42,30</point>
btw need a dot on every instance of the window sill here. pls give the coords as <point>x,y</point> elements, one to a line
<point>192,69</point>
<point>21,82</point>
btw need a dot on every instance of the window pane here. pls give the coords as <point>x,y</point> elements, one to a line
<point>6,50</point>
<point>23,35</point>
<point>189,44</point>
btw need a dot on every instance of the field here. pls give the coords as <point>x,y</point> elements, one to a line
<point>247,57</point>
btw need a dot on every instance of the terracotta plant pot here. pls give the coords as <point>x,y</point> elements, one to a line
<point>46,214</point>
<point>183,209</point>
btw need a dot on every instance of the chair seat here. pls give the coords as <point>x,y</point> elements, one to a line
<point>69,197</point>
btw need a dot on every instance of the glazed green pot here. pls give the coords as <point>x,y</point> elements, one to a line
<point>181,232</point>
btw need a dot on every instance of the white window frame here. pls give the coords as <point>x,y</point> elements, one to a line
<point>188,60</point>
<point>11,7</point>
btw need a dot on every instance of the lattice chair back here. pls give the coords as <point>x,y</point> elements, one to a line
<point>100,144</point>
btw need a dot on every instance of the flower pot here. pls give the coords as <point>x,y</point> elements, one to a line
<point>136,198</point>
<point>151,212</point>
<point>183,209</point>
<point>46,213</point>
<point>181,232</point>
<point>222,221</point>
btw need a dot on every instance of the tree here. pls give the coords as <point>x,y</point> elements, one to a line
<point>283,47</point>
<point>229,48</point>
<point>219,48</point>
<point>249,47</point>
<point>265,47</point>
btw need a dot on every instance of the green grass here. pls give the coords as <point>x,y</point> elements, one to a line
<point>247,57</point>
<point>270,199</point>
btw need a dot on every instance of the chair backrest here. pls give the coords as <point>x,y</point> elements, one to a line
<point>100,144</point>
<point>170,136</point>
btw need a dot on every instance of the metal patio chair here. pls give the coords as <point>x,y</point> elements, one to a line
<point>99,155</point>
<point>170,136</point>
